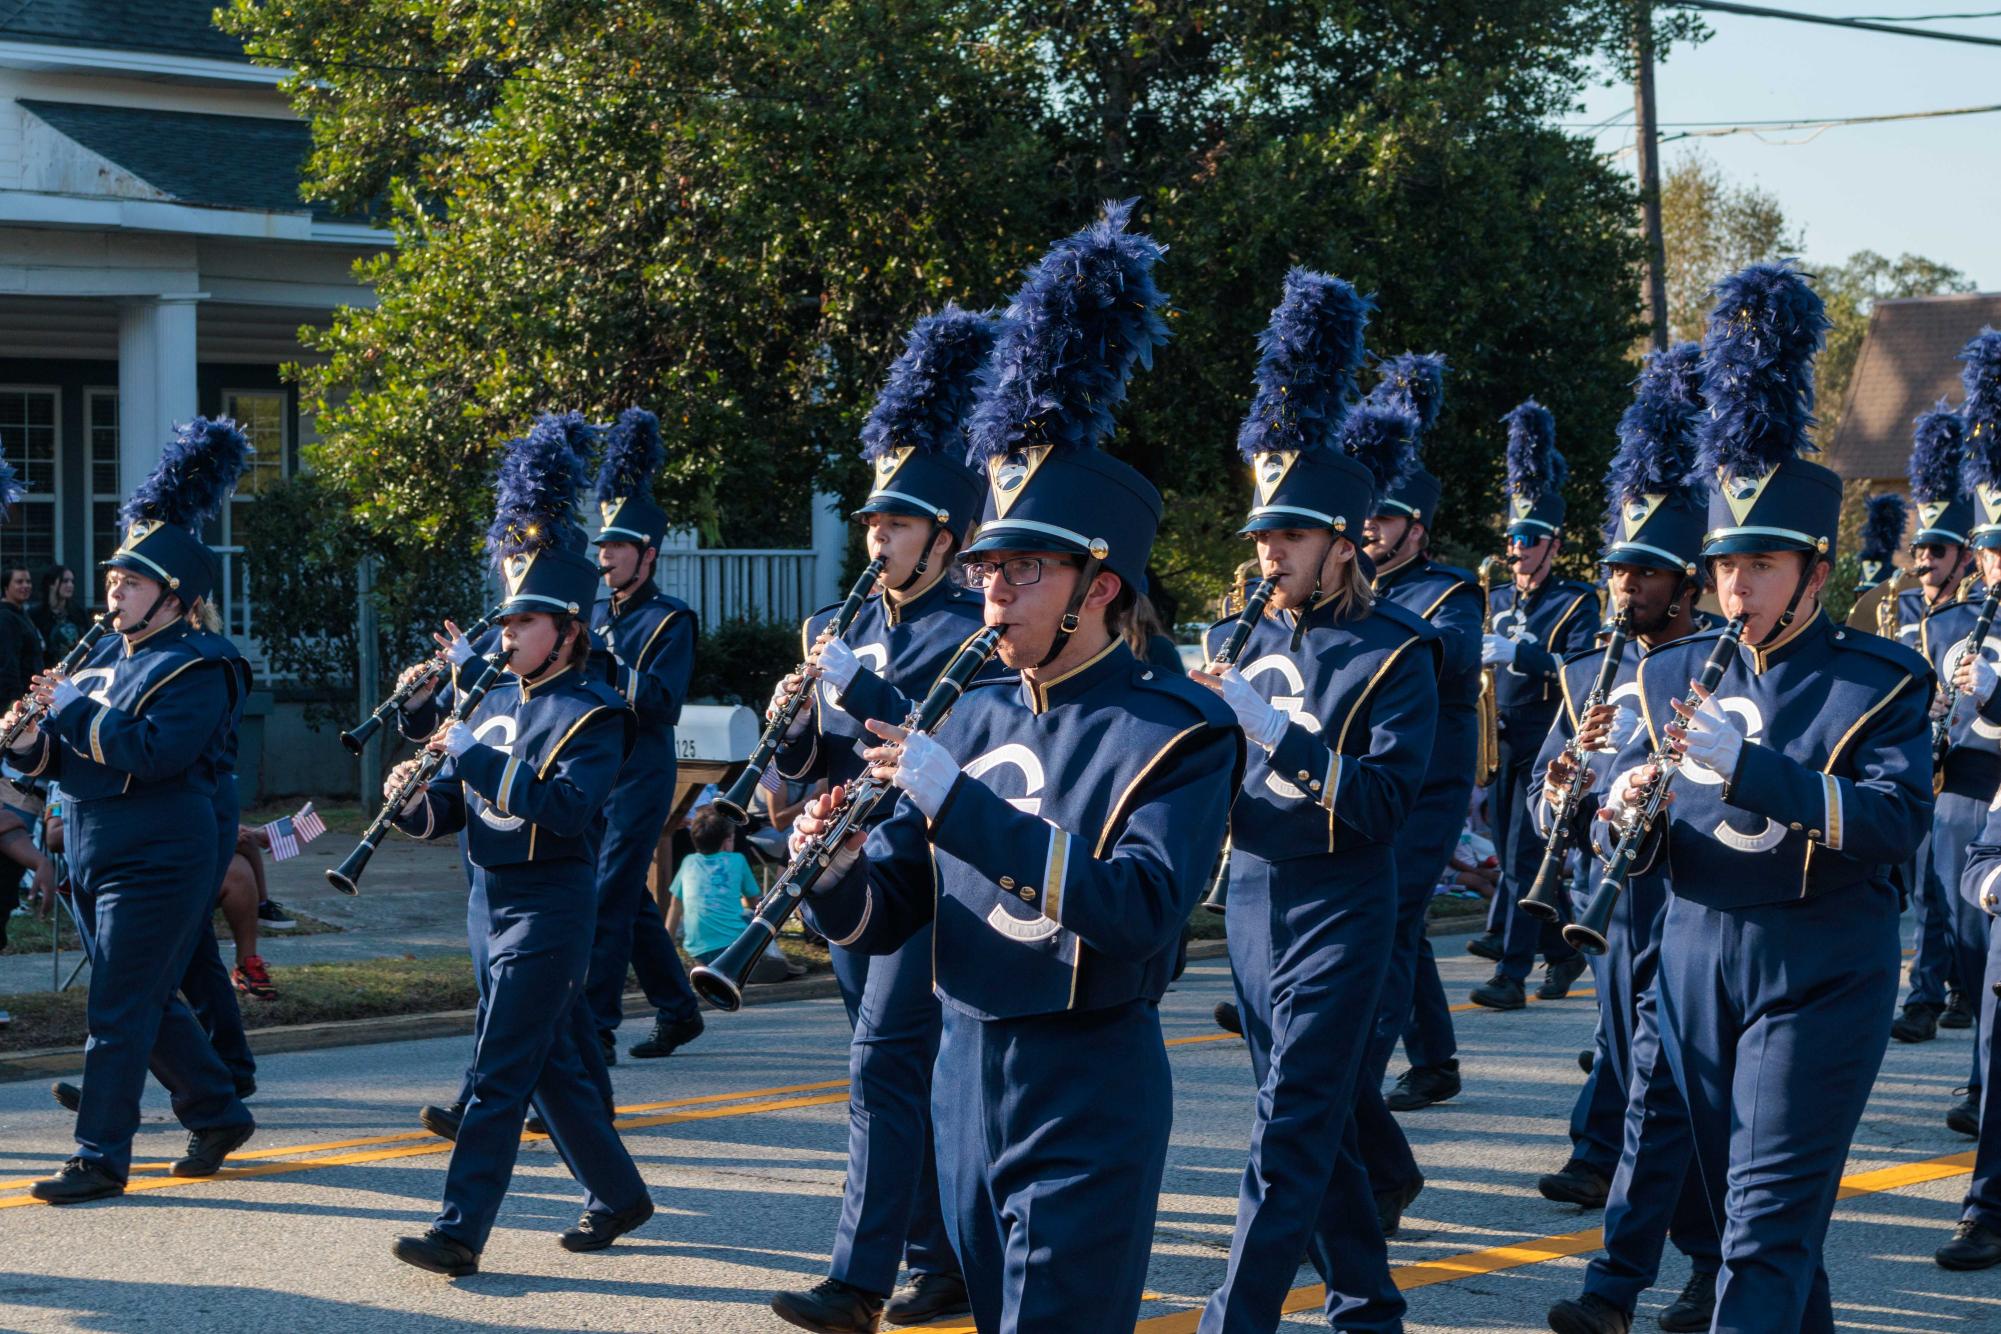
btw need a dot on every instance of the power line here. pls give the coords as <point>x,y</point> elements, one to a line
<point>1854,25</point>
<point>1929,18</point>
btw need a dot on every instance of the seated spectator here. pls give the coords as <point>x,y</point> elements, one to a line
<point>17,847</point>
<point>713,893</point>
<point>242,892</point>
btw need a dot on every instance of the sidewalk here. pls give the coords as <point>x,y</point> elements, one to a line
<point>412,901</point>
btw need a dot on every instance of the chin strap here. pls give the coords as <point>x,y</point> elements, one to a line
<point>924,559</point>
<point>563,624</point>
<point>1799,591</point>
<point>146,620</point>
<point>1086,575</point>
<point>1299,617</point>
<point>637,578</point>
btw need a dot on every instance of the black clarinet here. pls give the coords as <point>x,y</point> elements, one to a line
<point>1544,899</point>
<point>32,712</point>
<point>721,981</point>
<point>347,876</point>
<point>1218,898</point>
<point>358,736</point>
<point>1587,933</point>
<point>1949,695</point>
<point>735,803</point>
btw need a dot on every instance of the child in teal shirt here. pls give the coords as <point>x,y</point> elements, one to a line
<point>713,889</point>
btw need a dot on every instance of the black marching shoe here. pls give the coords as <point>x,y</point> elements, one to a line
<point>666,1038</point>
<point>1391,1203</point>
<point>832,1307</point>
<point>442,1121</point>
<point>1964,1118</point>
<point>1589,1314</point>
<point>608,1044</point>
<point>595,1231</point>
<point>534,1124</point>
<point>438,1253</point>
<point>1918,1023</point>
<point>928,1297</point>
<point>1486,945</point>
<point>1586,1059</point>
<point>1579,1183</point>
<point>207,1149</point>
<point>76,1181</point>
<point>1228,1019</point>
<point>68,1096</point>
<point>1499,992</point>
<point>1695,1308</point>
<point>1958,1011</point>
<point>1558,977</point>
<point>1423,1085</point>
<point>246,1086</point>
<point>1973,1246</point>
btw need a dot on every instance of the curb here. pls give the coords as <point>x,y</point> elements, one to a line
<point>57,1061</point>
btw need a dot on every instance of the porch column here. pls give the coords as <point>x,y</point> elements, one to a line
<point>156,379</point>
<point>830,546</point>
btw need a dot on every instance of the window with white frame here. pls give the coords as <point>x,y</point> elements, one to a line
<point>261,415</point>
<point>100,438</point>
<point>28,434</point>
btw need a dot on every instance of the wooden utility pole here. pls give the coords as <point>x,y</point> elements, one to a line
<point>1647,140</point>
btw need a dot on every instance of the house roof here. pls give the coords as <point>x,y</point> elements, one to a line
<point>250,162</point>
<point>175,27</point>
<point>1909,360</point>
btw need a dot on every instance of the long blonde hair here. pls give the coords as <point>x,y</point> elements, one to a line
<point>1352,594</point>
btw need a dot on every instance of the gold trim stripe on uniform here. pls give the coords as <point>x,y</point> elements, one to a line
<point>1834,758</point>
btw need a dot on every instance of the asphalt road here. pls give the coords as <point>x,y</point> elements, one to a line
<point>742,1138</point>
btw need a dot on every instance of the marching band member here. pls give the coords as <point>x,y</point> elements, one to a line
<point>527,780</point>
<point>1805,783</point>
<point>136,738</point>
<point>1413,1002</point>
<point>1883,520</point>
<point>1058,831</point>
<point>1338,693</point>
<point>1630,1150</point>
<point>1535,623</point>
<point>648,641</point>
<point>918,510</point>
<point>1951,941</point>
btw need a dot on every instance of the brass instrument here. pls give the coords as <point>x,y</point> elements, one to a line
<point>1949,689</point>
<point>358,736</point>
<point>720,982</point>
<point>1875,612</point>
<point>1218,897</point>
<point>347,876</point>
<point>32,712</point>
<point>1544,901</point>
<point>1587,933</point>
<point>1488,709</point>
<point>735,803</point>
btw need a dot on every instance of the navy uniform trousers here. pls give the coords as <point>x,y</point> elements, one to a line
<point>1775,1086</point>
<point>630,930</point>
<point>1011,1097</point>
<point>533,1043</point>
<point>206,986</point>
<point>1520,849</point>
<point>1413,1000</point>
<point>1306,962</point>
<point>1983,1195</point>
<point>1957,818</point>
<point>146,863</point>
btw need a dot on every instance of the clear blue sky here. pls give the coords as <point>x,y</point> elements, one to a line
<point>1932,188</point>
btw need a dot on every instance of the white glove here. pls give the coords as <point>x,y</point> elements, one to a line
<point>1497,649</point>
<point>65,695</point>
<point>926,772</point>
<point>1615,796</point>
<point>459,651</point>
<point>838,664</point>
<point>1714,740</point>
<point>1984,681</point>
<point>458,740</point>
<point>1263,722</point>
<point>1625,725</point>
<point>800,720</point>
<point>843,861</point>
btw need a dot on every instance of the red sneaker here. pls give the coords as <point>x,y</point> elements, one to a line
<point>253,979</point>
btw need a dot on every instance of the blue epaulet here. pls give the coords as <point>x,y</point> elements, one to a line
<point>1897,655</point>
<point>1408,619</point>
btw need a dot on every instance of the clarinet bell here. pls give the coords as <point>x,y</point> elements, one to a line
<point>720,981</point>
<point>363,732</point>
<point>1541,901</point>
<point>347,876</point>
<point>1588,933</point>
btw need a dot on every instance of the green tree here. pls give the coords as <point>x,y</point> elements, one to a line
<point>1712,227</point>
<point>1851,290</point>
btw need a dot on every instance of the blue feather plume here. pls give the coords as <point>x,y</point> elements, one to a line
<point>1757,369</point>
<point>1656,451</point>
<point>1088,313</point>
<point>541,478</point>
<point>196,472</point>
<point>1307,358</point>
<point>1534,466</point>
<point>932,386</point>
<point>1938,449</point>
<point>1415,382</point>
<point>1982,409</point>
<point>632,453</point>
<point>1882,525</point>
<point>1384,439</point>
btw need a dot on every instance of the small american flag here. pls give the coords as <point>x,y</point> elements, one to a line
<point>289,833</point>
